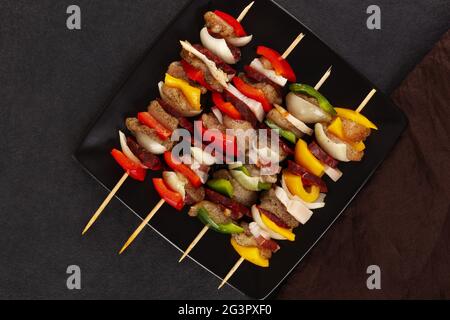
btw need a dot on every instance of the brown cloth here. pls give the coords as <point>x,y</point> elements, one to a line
<point>401,220</point>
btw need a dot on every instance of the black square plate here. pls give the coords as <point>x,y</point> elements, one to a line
<point>274,27</point>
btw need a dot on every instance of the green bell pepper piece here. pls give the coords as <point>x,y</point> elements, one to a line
<point>222,186</point>
<point>288,135</point>
<point>229,228</point>
<point>324,104</point>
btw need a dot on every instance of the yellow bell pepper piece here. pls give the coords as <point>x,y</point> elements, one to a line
<point>360,146</point>
<point>192,94</point>
<point>336,128</point>
<point>295,185</point>
<point>281,231</point>
<point>356,117</point>
<point>251,254</point>
<point>305,158</point>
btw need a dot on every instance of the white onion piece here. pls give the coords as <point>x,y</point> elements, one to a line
<point>266,167</point>
<point>319,203</point>
<point>218,74</point>
<point>335,150</point>
<point>126,150</point>
<point>202,175</point>
<point>218,114</point>
<point>305,110</point>
<point>149,144</point>
<point>321,198</point>
<point>240,41</point>
<point>300,125</point>
<point>217,46</point>
<point>257,232</point>
<point>174,182</point>
<point>195,166</point>
<point>202,157</point>
<point>265,155</point>
<point>271,74</point>
<point>257,218</point>
<point>334,173</point>
<point>248,183</point>
<point>255,106</point>
<point>295,208</point>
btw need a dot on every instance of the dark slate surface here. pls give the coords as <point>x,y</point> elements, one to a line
<point>54,81</point>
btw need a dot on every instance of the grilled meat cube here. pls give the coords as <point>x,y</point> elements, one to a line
<point>353,131</point>
<point>218,26</point>
<point>270,202</point>
<point>176,99</point>
<point>193,195</point>
<point>216,211</point>
<point>210,121</point>
<point>164,118</point>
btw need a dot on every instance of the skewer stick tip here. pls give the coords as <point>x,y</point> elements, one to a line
<point>194,243</point>
<point>245,11</point>
<point>142,226</point>
<point>323,79</point>
<point>231,272</point>
<point>104,204</point>
<point>366,100</point>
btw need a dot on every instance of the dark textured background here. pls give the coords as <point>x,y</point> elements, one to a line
<point>54,81</point>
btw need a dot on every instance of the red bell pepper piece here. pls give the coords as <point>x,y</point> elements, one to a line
<point>252,92</point>
<point>280,65</point>
<point>148,120</point>
<point>225,107</point>
<point>173,198</point>
<point>133,169</point>
<point>183,169</point>
<point>236,25</point>
<point>195,74</point>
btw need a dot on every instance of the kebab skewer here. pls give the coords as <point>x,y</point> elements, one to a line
<point>244,244</point>
<point>205,77</point>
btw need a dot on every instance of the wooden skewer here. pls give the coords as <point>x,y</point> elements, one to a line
<point>194,243</point>
<point>293,45</point>
<point>323,79</point>
<point>245,11</point>
<point>142,225</point>
<point>231,272</point>
<point>105,203</point>
<point>366,101</point>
